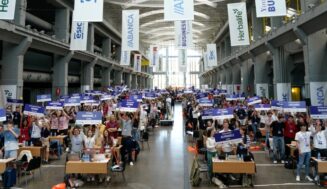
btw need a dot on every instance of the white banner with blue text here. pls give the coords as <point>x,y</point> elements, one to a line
<point>125,58</point>
<point>154,55</point>
<point>88,11</point>
<point>212,55</point>
<point>137,62</point>
<point>78,36</point>
<point>318,93</point>
<point>130,30</point>
<point>178,10</point>
<point>183,34</point>
<point>270,8</point>
<point>7,9</point>
<point>238,24</point>
<point>182,59</point>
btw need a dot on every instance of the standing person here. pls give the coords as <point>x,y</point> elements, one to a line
<point>76,138</point>
<point>11,135</point>
<point>25,132</point>
<point>211,149</point>
<point>54,123</point>
<point>17,117</point>
<point>227,147</point>
<point>45,133</point>
<point>303,144</point>
<point>63,123</point>
<point>289,132</point>
<point>36,131</point>
<point>255,121</point>
<point>278,138</point>
<point>135,129</point>
<point>127,140</point>
<point>112,126</point>
<point>268,120</point>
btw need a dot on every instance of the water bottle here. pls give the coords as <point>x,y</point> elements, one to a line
<point>318,156</point>
<point>242,158</point>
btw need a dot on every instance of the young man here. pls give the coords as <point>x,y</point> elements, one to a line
<point>278,138</point>
<point>11,135</point>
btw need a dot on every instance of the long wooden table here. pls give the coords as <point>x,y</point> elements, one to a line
<point>81,167</point>
<point>37,151</point>
<point>4,163</point>
<point>60,138</point>
<point>233,166</point>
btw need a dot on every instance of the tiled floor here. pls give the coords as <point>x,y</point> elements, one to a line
<point>162,167</point>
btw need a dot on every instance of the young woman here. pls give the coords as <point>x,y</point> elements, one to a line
<point>135,129</point>
<point>36,131</point>
<point>11,135</point>
<point>76,141</point>
<point>54,123</point>
<point>45,133</point>
<point>24,132</point>
<point>211,149</point>
<point>227,148</point>
<point>90,137</point>
<point>63,123</point>
<point>112,126</point>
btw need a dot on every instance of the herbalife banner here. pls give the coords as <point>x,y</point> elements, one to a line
<point>269,8</point>
<point>88,11</point>
<point>212,55</point>
<point>78,36</point>
<point>130,30</point>
<point>318,91</point>
<point>125,58</point>
<point>283,91</point>
<point>7,9</point>
<point>238,24</point>
<point>154,55</point>
<point>183,34</point>
<point>137,62</point>
<point>262,89</point>
<point>178,10</point>
<point>182,59</point>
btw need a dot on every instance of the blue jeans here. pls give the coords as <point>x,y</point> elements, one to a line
<point>136,134</point>
<point>58,146</point>
<point>254,128</point>
<point>267,139</point>
<point>304,159</point>
<point>210,155</point>
<point>280,145</point>
<point>10,154</point>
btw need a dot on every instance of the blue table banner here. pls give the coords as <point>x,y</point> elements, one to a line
<point>3,116</point>
<point>15,101</point>
<point>128,106</point>
<point>205,102</point>
<point>136,97</point>
<point>88,118</point>
<point>87,99</point>
<point>262,107</point>
<point>294,106</point>
<point>150,95</point>
<point>277,105</point>
<point>43,98</point>
<point>34,110</point>
<point>254,100</point>
<point>202,95</point>
<point>106,97</point>
<point>318,112</point>
<point>218,113</point>
<point>72,102</point>
<point>54,106</point>
<point>229,137</point>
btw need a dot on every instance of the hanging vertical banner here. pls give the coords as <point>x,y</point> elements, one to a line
<point>205,60</point>
<point>154,55</point>
<point>318,92</point>
<point>269,8</point>
<point>178,10</point>
<point>182,59</point>
<point>238,24</point>
<point>7,9</point>
<point>212,55</point>
<point>125,57</point>
<point>88,11</point>
<point>130,30</point>
<point>160,64</point>
<point>262,89</point>
<point>283,91</point>
<point>183,34</point>
<point>78,36</point>
<point>137,62</point>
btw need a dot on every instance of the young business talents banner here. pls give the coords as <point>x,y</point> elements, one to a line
<point>270,8</point>
<point>130,30</point>
<point>178,10</point>
<point>183,34</point>
<point>7,9</point>
<point>78,36</point>
<point>238,24</point>
<point>88,11</point>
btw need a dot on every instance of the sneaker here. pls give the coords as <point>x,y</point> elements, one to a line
<point>282,161</point>
<point>92,179</point>
<point>316,178</point>
<point>298,178</point>
<point>131,163</point>
<point>232,177</point>
<point>308,178</point>
<point>67,149</point>
<point>88,179</point>
<point>100,180</point>
<point>108,178</point>
<point>115,166</point>
<point>275,162</point>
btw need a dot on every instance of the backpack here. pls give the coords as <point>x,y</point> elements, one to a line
<point>290,163</point>
<point>195,173</point>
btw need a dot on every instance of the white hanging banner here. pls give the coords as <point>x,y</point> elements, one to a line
<point>78,36</point>
<point>212,55</point>
<point>178,10</point>
<point>183,34</point>
<point>137,62</point>
<point>238,24</point>
<point>205,60</point>
<point>182,59</point>
<point>130,30</point>
<point>7,9</point>
<point>318,93</point>
<point>88,11</point>
<point>125,58</point>
<point>154,55</point>
<point>262,89</point>
<point>284,92</point>
<point>269,8</point>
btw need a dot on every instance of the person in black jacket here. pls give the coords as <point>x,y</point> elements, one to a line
<point>278,138</point>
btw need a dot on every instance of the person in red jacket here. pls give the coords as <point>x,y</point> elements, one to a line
<point>289,133</point>
<point>24,131</point>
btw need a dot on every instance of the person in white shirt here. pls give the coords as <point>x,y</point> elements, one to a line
<point>303,144</point>
<point>211,149</point>
<point>227,147</point>
<point>267,121</point>
<point>36,130</point>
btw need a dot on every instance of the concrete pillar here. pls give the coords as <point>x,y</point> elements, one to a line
<point>20,12</point>
<point>12,65</point>
<point>257,25</point>
<point>150,82</point>
<point>118,77</point>
<point>90,38</point>
<point>106,47</point>
<point>236,79</point>
<point>134,81</point>
<point>218,53</point>
<point>247,78</point>
<point>118,52</point>
<point>128,81</point>
<point>87,75</point>
<point>62,23</point>
<point>261,78</point>
<point>223,50</point>
<point>228,47</point>
<point>223,78</point>
<point>306,5</point>
<point>229,80</point>
<point>60,73</point>
<point>276,22</point>
<point>106,81</point>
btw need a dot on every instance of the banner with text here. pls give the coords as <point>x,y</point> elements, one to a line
<point>182,59</point>
<point>228,137</point>
<point>212,55</point>
<point>262,89</point>
<point>7,9</point>
<point>3,116</point>
<point>33,110</point>
<point>154,55</point>
<point>129,106</point>
<point>318,92</point>
<point>88,118</point>
<point>238,24</point>
<point>125,58</point>
<point>283,91</point>
<point>137,62</point>
<point>178,10</point>
<point>43,98</point>
<point>318,112</point>
<point>130,30</point>
<point>54,106</point>
<point>294,106</point>
<point>269,8</point>
<point>88,11</point>
<point>183,34</point>
<point>78,36</point>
